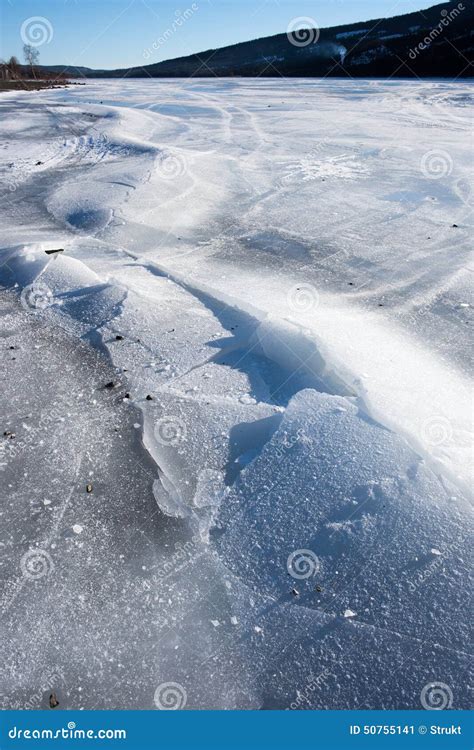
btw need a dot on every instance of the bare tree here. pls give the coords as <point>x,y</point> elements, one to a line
<point>31,55</point>
<point>14,67</point>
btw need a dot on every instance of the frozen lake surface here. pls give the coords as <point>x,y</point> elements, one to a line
<point>237,405</point>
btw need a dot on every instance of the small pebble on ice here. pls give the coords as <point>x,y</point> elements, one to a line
<point>215,623</point>
<point>136,426</point>
<point>53,701</point>
<point>350,613</point>
<point>234,620</point>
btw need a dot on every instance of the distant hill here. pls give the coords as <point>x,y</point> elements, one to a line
<point>438,41</point>
<point>77,69</point>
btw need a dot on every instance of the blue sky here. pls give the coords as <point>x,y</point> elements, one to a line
<point>118,33</point>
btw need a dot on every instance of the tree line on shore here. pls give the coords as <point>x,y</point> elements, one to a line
<point>13,71</point>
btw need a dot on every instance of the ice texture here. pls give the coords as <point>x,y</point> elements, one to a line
<point>236,415</point>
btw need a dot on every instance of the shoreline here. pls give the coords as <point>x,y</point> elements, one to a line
<point>23,85</point>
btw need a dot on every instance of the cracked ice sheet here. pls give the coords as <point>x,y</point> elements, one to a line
<point>91,546</point>
<point>307,660</point>
<point>232,190</point>
<point>358,248</point>
<point>188,221</point>
<point>120,577</point>
<point>377,531</point>
<point>184,368</point>
<point>272,658</point>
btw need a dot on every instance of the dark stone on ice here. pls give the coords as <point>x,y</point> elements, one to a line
<point>53,701</point>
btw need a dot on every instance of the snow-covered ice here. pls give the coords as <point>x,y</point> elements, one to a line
<point>268,283</point>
